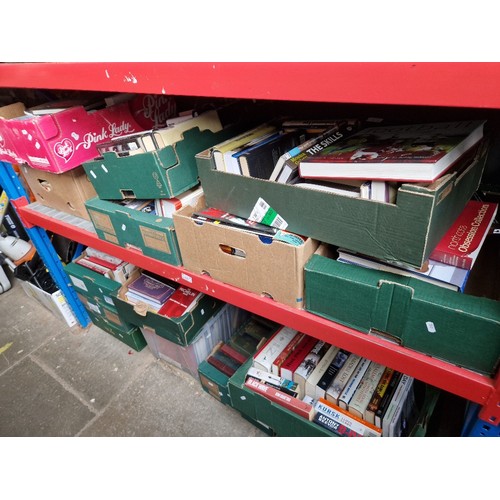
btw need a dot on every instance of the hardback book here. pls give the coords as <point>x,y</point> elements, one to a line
<point>309,363</point>
<point>235,142</point>
<point>94,252</point>
<point>366,388</point>
<point>101,262</point>
<point>233,353</point>
<point>328,377</point>
<point>265,356</point>
<point>165,207</point>
<point>350,425</point>
<point>295,405</point>
<point>386,398</point>
<point>244,343</point>
<point>404,153</point>
<point>93,266</point>
<point>320,369</point>
<point>435,272</point>
<point>151,289</point>
<point>396,403</point>
<point>461,244</point>
<point>278,362</point>
<point>377,395</point>
<point>340,381</point>
<point>287,166</point>
<point>259,160</point>
<point>283,384</point>
<point>296,357</point>
<point>352,384</point>
<point>222,361</point>
<point>182,301</point>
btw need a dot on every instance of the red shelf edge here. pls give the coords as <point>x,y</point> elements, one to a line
<point>458,84</point>
<point>462,382</point>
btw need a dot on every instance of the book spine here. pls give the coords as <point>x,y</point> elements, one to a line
<point>222,367</point>
<point>94,267</point>
<point>396,403</point>
<point>344,418</point>
<point>339,382</point>
<point>334,426</point>
<point>379,392</point>
<point>349,390</point>
<point>297,356</point>
<point>321,367</point>
<point>366,388</point>
<point>233,353</point>
<point>278,362</point>
<point>386,398</point>
<point>276,381</point>
<point>264,358</point>
<point>293,404</point>
<point>309,364</point>
<point>327,378</point>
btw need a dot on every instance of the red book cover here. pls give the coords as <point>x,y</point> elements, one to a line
<point>102,262</point>
<point>278,362</point>
<point>289,402</point>
<point>460,246</point>
<point>233,353</point>
<point>183,300</point>
<point>297,356</point>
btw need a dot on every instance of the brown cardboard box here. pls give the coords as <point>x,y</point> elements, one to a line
<point>270,268</point>
<point>66,192</point>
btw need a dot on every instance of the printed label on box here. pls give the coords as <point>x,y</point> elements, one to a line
<point>155,239</point>
<point>102,222</point>
<point>263,213</point>
<point>112,238</point>
<point>79,283</point>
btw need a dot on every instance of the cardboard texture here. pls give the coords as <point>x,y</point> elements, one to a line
<point>270,268</point>
<point>55,302</point>
<point>152,235</point>
<point>219,327</point>
<point>66,192</point>
<point>131,337</point>
<point>91,284</point>
<point>61,141</point>
<point>458,328</point>
<point>164,173</point>
<point>405,232</point>
<point>214,382</point>
<point>181,331</point>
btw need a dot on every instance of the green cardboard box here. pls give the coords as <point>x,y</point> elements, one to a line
<point>405,232</point>
<point>214,382</point>
<point>132,336</point>
<point>181,331</point>
<point>91,284</point>
<point>152,235</point>
<point>282,421</point>
<point>163,173</point>
<point>455,327</point>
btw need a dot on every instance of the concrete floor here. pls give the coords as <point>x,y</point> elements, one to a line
<point>60,381</point>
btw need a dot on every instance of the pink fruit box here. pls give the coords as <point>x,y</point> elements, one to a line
<point>64,140</point>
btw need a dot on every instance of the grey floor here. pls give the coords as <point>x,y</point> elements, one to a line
<point>60,381</point>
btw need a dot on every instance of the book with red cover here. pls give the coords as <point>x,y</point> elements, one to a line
<point>278,362</point>
<point>461,244</point>
<point>296,405</point>
<point>182,301</point>
<point>233,353</point>
<point>411,152</point>
<point>296,357</point>
<point>151,288</point>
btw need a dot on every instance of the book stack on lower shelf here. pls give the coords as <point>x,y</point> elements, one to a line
<point>330,392</point>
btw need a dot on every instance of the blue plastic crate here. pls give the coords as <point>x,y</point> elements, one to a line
<point>475,427</point>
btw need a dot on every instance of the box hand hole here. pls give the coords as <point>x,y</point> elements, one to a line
<point>233,251</point>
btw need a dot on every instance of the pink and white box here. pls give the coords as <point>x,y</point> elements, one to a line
<point>64,140</point>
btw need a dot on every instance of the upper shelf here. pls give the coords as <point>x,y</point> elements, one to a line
<point>429,84</point>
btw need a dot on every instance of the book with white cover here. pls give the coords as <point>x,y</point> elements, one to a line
<point>353,382</point>
<point>263,359</point>
<point>321,367</point>
<point>364,392</point>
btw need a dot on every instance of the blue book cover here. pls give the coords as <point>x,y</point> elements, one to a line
<point>151,288</point>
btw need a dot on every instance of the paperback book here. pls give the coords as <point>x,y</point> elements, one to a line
<point>461,244</point>
<point>409,153</point>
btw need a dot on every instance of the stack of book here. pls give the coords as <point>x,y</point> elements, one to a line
<point>341,391</point>
<point>107,265</point>
<point>150,290</point>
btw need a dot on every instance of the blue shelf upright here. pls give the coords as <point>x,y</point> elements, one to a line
<point>15,190</point>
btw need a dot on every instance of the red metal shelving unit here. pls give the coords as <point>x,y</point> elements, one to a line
<point>436,84</point>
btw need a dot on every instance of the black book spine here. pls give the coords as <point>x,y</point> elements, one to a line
<point>333,369</point>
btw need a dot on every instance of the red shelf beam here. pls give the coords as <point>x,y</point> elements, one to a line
<point>467,384</point>
<point>458,84</point>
